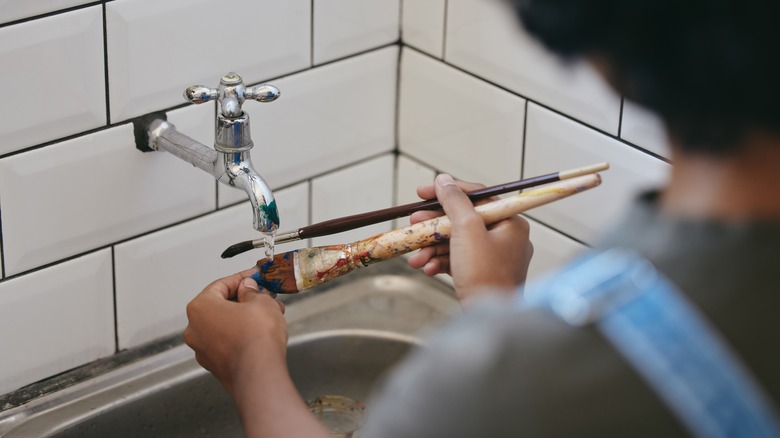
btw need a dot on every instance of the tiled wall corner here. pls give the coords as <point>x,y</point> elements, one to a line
<point>159,273</point>
<point>53,76</point>
<point>315,127</point>
<point>644,128</point>
<point>422,25</point>
<point>411,174</point>
<point>457,123</point>
<point>11,10</point>
<point>484,38</point>
<point>345,27</point>
<point>363,187</point>
<point>157,49</point>
<point>554,142</point>
<point>56,319</point>
<point>90,191</point>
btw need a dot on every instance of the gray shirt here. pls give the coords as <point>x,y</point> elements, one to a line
<point>502,371</point>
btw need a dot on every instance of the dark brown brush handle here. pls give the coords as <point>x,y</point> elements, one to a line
<point>361,220</point>
<point>364,219</point>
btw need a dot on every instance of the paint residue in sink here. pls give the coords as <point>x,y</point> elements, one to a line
<point>342,416</point>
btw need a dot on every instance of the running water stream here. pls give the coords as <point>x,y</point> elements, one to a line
<point>268,245</point>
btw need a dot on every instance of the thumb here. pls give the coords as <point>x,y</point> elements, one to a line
<point>457,206</point>
<point>247,290</point>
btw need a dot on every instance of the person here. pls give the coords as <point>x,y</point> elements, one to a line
<point>710,238</point>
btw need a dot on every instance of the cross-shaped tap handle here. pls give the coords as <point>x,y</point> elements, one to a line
<point>231,94</point>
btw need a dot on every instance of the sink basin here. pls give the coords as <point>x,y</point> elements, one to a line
<point>342,340</point>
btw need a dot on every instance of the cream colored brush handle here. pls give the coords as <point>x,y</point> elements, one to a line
<point>402,240</point>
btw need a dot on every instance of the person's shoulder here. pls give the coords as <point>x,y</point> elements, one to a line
<point>498,329</point>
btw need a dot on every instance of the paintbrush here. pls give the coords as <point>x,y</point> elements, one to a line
<point>294,271</point>
<point>361,220</point>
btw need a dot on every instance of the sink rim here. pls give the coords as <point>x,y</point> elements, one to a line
<point>357,332</point>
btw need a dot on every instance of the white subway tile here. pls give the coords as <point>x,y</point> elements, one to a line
<point>357,189</point>
<point>157,49</point>
<point>345,27</point>
<point>409,175</point>
<point>158,274</point>
<point>195,121</point>
<point>53,76</point>
<point>485,38</point>
<point>56,319</point>
<point>551,249</point>
<point>644,128</point>
<point>459,124</point>
<point>326,118</point>
<point>554,143</point>
<point>90,191</point>
<point>422,25</point>
<point>11,10</point>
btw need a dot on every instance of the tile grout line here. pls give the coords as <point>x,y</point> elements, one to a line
<point>105,64</point>
<point>116,311</point>
<point>2,248</point>
<point>397,114</point>
<point>310,200</point>
<point>556,229</point>
<point>50,14</point>
<point>444,30</point>
<point>311,35</point>
<point>523,146</point>
<point>104,246</point>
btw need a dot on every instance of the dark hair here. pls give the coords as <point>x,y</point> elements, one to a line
<point>707,67</point>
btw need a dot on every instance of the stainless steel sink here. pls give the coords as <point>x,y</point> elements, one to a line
<point>342,340</point>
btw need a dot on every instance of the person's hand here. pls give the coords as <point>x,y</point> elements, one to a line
<point>476,256</point>
<point>233,323</point>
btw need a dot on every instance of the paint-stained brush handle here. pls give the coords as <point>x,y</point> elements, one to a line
<point>360,220</point>
<point>297,270</point>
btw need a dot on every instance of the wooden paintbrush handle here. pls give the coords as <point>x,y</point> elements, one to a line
<point>400,241</point>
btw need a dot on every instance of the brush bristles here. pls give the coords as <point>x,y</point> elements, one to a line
<point>277,276</point>
<point>238,248</point>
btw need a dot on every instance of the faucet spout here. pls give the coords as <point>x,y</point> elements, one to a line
<point>239,173</point>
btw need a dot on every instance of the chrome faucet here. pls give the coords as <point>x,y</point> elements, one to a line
<point>229,162</point>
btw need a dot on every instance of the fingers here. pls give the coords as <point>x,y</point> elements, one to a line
<point>423,256</point>
<point>458,207</point>
<point>226,288</point>
<point>437,265</point>
<point>428,191</point>
<point>424,215</point>
<point>247,290</point>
